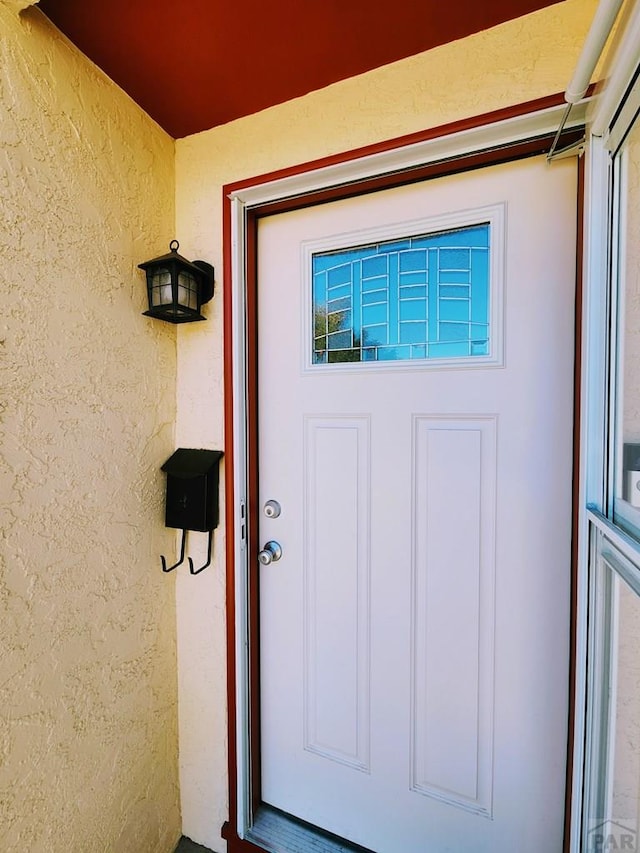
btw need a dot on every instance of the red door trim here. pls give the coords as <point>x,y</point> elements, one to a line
<point>527,148</point>
<point>575,520</point>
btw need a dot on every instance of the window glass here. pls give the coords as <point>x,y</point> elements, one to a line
<point>625,781</point>
<point>613,802</point>
<point>421,297</point>
<point>627,469</point>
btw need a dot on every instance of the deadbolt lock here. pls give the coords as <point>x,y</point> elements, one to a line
<point>272,509</point>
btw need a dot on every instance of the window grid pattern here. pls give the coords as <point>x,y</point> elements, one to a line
<point>415,298</point>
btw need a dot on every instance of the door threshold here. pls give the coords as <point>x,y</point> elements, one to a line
<point>279,832</point>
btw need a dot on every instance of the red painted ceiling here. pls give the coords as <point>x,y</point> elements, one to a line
<point>194,64</point>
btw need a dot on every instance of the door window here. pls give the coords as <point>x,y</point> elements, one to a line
<point>418,297</point>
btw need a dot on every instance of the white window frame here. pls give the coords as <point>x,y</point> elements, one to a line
<point>598,537</point>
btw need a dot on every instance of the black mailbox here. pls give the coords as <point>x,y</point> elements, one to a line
<point>193,479</point>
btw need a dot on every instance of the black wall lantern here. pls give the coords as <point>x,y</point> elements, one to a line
<point>176,287</point>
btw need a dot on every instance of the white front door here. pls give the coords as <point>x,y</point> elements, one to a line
<point>415,426</point>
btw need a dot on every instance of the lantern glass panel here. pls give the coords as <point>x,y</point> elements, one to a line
<point>161,288</point>
<point>187,290</point>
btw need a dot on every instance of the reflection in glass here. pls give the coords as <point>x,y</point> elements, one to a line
<point>161,292</point>
<point>187,290</point>
<point>627,504</point>
<point>625,784</point>
<point>416,298</point>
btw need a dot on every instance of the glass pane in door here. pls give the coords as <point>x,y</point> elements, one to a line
<point>415,298</point>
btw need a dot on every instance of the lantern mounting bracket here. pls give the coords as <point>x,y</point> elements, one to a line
<point>207,284</point>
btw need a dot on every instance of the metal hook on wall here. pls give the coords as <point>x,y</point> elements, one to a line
<point>181,560</point>
<point>208,563</point>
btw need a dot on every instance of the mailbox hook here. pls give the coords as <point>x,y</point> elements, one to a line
<point>181,560</point>
<point>208,563</point>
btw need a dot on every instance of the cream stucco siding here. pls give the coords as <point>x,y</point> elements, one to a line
<point>88,709</point>
<point>515,62</point>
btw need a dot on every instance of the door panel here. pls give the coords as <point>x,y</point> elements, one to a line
<point>337,533</point>
<point>454,463</point>
<point>414,634</point>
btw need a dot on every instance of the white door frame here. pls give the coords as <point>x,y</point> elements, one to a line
<point>252,195</point>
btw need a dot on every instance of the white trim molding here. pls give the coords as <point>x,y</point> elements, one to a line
<point>440,149</point>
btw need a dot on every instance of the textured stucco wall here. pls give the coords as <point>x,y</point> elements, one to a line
<point>517,61</point>
<point>88,705</point>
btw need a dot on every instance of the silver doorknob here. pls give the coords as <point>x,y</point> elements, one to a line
<point>271,553</point>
